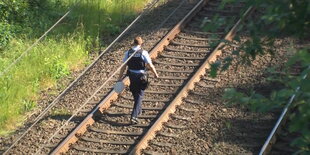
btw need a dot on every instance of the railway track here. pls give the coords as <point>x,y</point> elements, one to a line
<point>182,56</point>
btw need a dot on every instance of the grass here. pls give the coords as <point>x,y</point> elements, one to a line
<point>65,50</point>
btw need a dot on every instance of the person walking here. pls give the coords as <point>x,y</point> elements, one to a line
<point>137,66</point>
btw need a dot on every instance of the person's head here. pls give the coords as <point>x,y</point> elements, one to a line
<point>138,41</point>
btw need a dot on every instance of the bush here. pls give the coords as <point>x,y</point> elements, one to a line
<point>5,35</point>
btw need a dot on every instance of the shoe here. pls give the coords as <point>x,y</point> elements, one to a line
<point>134,120</point>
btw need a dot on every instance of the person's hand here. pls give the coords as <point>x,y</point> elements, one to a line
<point>156,75</point>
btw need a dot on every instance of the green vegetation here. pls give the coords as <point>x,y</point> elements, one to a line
<point>277,19</point>
<point>64,50</point>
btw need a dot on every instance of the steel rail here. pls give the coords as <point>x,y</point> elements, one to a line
<point>272,136</point>
<point>151,133</point>
<point>159,26</point>
<point>38,118</point>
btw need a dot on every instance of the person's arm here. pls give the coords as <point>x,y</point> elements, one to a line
<point>149,64</point>
<point>121,72</point>
<point>152,68</point>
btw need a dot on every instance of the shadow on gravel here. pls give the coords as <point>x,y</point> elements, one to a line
<point>233,128</point>
<point>247,134</point>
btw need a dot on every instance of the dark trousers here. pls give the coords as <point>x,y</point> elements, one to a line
<point>137,93</point>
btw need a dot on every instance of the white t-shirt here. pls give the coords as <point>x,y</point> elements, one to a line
<point>145,57</point>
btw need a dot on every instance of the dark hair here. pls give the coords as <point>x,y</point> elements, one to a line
<point>138,41</point>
